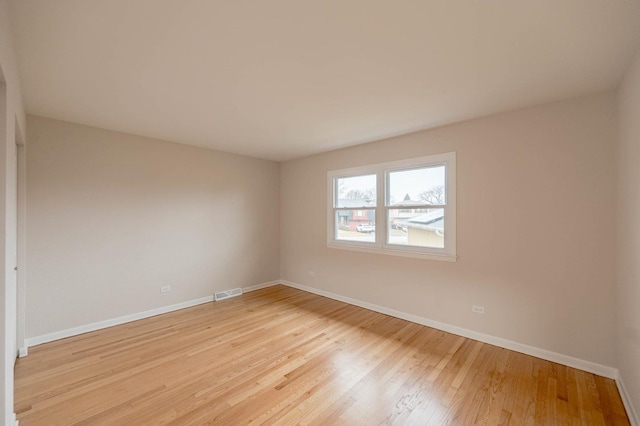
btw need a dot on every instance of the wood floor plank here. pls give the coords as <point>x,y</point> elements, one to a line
<point>283,356</point>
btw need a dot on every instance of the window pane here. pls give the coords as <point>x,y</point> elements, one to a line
<point>422,186</point>
<point>416,227</point>
<point>356,225</point>
<point>356,191</point>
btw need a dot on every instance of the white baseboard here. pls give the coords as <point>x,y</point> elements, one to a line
<point>631,411</point>
<point>260,286</point>
<point>38,340</point>
<point>591,367</point>
<point>23,351</point>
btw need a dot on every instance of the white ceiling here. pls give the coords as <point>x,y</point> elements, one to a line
<point>281,79</point>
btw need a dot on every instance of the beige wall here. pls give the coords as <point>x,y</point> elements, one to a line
<point>535,229</point>
<point>628,250</point>
<point>113,217</point>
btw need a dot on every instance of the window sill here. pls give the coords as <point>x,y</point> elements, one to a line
<point>401,253</point>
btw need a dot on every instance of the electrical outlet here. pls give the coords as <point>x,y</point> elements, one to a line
<point>165,289</point>
<point>477,309</point>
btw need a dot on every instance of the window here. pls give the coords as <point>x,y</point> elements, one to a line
<point>404,208</point>
<point>355,201</point>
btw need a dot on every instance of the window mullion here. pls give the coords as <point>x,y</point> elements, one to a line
<point>354,208</point>
<point>381,228</point>
<point>418,206</point>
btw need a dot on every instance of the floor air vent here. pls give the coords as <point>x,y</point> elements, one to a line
<point>228,293</point>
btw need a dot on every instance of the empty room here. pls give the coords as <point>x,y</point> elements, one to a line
<point>355,212</point>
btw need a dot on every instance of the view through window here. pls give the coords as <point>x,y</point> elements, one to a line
<point>415,207</point>
<point>355,208</point>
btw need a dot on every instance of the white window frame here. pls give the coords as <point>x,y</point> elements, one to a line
<point>382,170</point>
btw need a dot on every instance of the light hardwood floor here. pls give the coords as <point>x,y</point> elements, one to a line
<point>284,356</point>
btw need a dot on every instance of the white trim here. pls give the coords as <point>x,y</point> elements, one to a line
<point>403,253</point>
<point>591,367</point>
<point>628,406</point>
<point>45,338</point>
<point>260,286</point>
<point>38,340</point>
<point>23,351</point>
<point>11,419</point>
